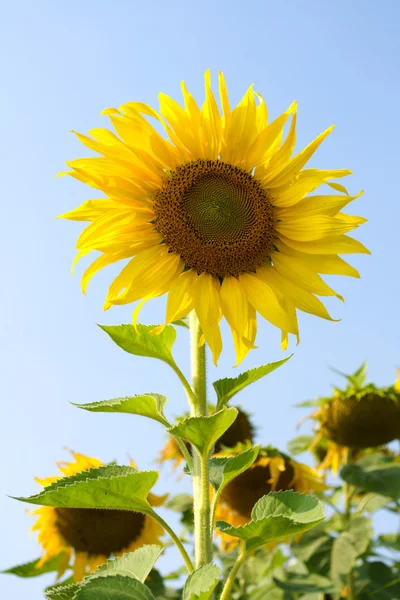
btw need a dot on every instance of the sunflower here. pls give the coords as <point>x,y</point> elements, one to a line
<point>358,417</point>
<point>272,471</point>
<point>217,215</point>
<point>240,432</point>
<point>90,536</point>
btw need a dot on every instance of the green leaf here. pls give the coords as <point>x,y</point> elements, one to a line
<point>307,583</point>
<point>203,432</point>
<point>140,341</point>
<point>116,587</point>
<point>299,444</point>
<point>383,479</point>
<point>227,388</point>
<point>112,486</point>
<point>63,592</point>
<point>343,558</point>
<point>201,583</point>
<point>360,531</point>
<point>275,516</point>
<point>390,540</point>
<point>146,405</point>
<point>224,469</point>
<point>184,322</point>
<point>180,503</point>
<point>137,564</point>
<point>32,568</point>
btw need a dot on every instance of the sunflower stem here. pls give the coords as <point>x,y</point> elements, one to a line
<point>348,492</point>
<point>232,575</point>
<point>201,476</point>
<point>175,539</point>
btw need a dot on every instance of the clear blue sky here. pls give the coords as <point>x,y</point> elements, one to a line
<point>61,64</point>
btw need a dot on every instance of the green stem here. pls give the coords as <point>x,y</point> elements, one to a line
<point>175,539</point>
<point>229,582</point>
<point>189,391</point>
<point>185,452</point>
<point>348,492</point>
<point>201,477</point>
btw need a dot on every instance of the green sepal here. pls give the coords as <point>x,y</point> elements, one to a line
<point>115,587</point>
<point>275,516</point>
<point>201,583</point>
<point>31,569</point>
<point>145,405</point>
<point>383,479</point>
<point>299,444</point>
<point>137,564</point>
<point>228,387</point>
<point>223,469</point>
<point>112,486</point>
<point>140,341</point>
<point>203,432</point>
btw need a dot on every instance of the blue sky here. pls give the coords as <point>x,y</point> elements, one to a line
<point>62,63</point>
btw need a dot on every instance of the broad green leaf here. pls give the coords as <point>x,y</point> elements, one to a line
<point>383,479</point>
<point>112,486</point>
<point>224,469</point>
<point>155,583</point>
<point>227,388</point>
<point>342,559</point>
<point>180,503</point>
<point>360,531</point>
<point>32,568</point>
<point>203,432</point>
<point>307,583</point>
<point>311,543</point>
<point>377,581</point>
<point>391,540</point>
<point>63,592</point>
<point>201,583</point>
<point>116,587</point>
<point>140,341</point>
<point>299,444</point>
<point>146,405</point>
<point>137,564</point>
<point>276,516</point>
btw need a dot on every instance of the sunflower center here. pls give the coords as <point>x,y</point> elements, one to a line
<point>216,216</point>
<point>98,531</point>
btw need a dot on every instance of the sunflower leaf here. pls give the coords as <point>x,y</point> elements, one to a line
<point>275,516</point>
<point>299,444</point>
<point>115,587</point>
<point>203,432</point>
<point>63,592</point>
<point>379,479</point>
<point>224,469</point>
<point>201,583</point>
<point>228,387</point>
<point>140,340</point>
<point>34,568</point>
<point>146,405</point>
<point>137,564</point>
<point>112,486</point>
<point>343,558</point>
<point>306,583</point>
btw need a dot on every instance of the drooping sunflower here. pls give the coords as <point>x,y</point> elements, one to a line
<point>217,215</point>
<point>272,471</point>
<point>358,417</point>
<point>90,536</point>
<point>240,432</point>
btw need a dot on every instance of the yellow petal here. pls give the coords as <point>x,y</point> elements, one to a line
<point>317,205</point>
<point>79,568</point>
<point>244,343</point>
<point>296,163</point>
<point>305,182</point>
<point>339,244</point>
<point>206,305</point>
<point>327,264</point>
<point>180,296</point>
<point>266,142</point>
<point>316,227</point>
<point>265,301</point>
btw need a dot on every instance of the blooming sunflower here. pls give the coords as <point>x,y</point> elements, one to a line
<point>90,536</point>
<point>241,431</point>
<point>272,471</point>
<point>217,215</point>
<point>359,417</point>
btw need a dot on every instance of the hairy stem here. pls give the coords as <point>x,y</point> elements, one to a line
<point>201,478</point>
<point>232,575</point>
<point>175,539</point>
